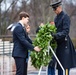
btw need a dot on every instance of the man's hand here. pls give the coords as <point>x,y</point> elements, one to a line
<point>36,48</point>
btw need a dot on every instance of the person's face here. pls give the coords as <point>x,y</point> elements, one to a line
<point>57,10</point>
<point>41,24</point>
<point>25,20</point>
<point>28,29</point>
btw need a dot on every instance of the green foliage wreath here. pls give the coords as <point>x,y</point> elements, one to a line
<point>42,38</point>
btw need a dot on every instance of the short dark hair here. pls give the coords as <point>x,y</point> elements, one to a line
<point>23,14</point>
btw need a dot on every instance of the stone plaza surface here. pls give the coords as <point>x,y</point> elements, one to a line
<point>7,64</point>
<point>72,72</point>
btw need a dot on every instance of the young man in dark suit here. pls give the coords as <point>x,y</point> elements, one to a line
<point>65,50</point>
<point>21,44</point>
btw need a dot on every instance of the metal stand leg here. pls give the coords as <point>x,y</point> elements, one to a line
<point>49,47</point>
<point>47,70</point>
<point>64,72</point>
<point>56,58</point>
<point>41,69</point>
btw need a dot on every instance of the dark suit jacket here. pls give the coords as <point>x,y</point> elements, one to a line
<point>21,42</point>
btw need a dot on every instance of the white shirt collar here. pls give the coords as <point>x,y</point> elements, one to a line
<point>21,23</point>
<point>12,29</point>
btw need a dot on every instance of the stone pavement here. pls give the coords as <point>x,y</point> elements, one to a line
<point>33,71</point>
<point>72,72</point>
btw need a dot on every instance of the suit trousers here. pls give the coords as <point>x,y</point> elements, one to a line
<point>51,71</point>
<point>21,66</point>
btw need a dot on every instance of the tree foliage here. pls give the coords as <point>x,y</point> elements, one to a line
<point>38,10</point>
